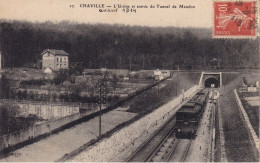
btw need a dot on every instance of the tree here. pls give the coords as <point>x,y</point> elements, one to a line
<point>19,94</point>
<point>24,94</point>
<point>4,87</point>
<point>114,82</point>
<point>8,114</point>
<point>119,46</point>
<point>31,95</point>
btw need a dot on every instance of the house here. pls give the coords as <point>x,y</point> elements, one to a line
<point>166,73</point>
<point>158,74</point>
<point>161,74</point>
<point>243,87</point>
<point>252,88</point>
<point>55,59</point>
<point>47,70</point>
<point>126,78</point>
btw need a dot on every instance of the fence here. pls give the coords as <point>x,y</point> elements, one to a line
<point>17,139</point>
<point>132,134</point>
<point>43,102</point>
<point>47,110</point>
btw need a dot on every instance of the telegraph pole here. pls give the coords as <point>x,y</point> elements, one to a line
<point>158,88</point>
<point>100,107</point>
<point>177,85</point>
<point>102,86</point>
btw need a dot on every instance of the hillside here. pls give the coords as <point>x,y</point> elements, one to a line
<point>122,46</point>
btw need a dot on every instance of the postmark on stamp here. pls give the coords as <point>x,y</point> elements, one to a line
<point>235,19</point>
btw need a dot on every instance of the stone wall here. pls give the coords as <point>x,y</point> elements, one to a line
<point>49,110</point>
<point>28,134</point>
<point>11,141</point>
<point>37,130</point>
<point>127,137</point>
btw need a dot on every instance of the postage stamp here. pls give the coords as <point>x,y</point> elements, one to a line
<point>235,19</point>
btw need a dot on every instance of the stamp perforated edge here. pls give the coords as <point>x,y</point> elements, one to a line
<point>233,36</point>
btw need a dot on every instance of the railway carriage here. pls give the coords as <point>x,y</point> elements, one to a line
<point>189,115</point>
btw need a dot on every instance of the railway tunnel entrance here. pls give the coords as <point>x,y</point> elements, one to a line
<point>211,81</point>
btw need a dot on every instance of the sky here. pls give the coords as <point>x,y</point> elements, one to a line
<point>59,10</point>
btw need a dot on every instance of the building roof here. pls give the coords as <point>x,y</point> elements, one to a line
<point>56,52</point>
<point>189,104</point>
<point>193,110</point>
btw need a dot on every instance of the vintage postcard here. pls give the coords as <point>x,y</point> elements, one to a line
<point>129,80</point>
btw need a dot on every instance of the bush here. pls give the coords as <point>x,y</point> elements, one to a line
<point>33,82</point>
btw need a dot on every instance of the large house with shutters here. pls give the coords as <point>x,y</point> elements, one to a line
<point>55,59</point>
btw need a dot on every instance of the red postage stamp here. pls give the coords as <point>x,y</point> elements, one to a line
<point>235,19</point>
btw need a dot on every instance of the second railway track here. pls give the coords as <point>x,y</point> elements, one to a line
<point>144,152</point>
<point>181,151</point>
<point>162,146</point>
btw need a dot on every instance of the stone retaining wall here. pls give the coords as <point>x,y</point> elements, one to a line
<point>49,111</point>
<point>110,147</point>
<point>22,137</point>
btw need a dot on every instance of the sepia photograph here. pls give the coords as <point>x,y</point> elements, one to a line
<point>129,81</point>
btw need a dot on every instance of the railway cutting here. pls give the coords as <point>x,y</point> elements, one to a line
<point>172,142</point>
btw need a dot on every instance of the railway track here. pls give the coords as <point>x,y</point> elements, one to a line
<point>160,152</point>
<point>181,151</point>
<point>173,150</point>
<point>144,152</point>
<point>163,146</point>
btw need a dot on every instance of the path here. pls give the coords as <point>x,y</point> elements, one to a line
<point>56,146</point>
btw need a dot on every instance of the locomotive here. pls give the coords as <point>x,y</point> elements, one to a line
<point>189,115</point>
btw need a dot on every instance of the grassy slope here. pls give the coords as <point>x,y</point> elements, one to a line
<point>149,100</point>
<point>237,144</point>
<point>28,74</point>
<point>229,77</point>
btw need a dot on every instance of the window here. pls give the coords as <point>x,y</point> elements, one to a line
<point>64,59</point>
<point>193,117</point>
<point>60,59</point>
<point>57,59</point>
<point>179,116</point>
<point>186,117</point>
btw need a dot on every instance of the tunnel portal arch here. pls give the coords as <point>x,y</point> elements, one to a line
<point>209,78</point>
<point>210,81</point>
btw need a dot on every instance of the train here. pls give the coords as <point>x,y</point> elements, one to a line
<point>189,115</point>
